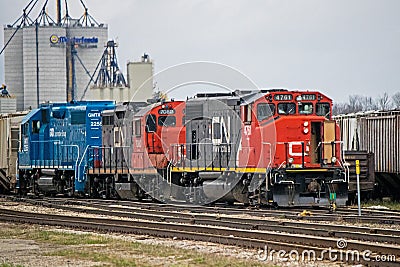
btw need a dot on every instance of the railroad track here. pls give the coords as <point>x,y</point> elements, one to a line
<point>264,223</point>
<point>220,228</point>
<point>317,215</point>
<point>229,236</point>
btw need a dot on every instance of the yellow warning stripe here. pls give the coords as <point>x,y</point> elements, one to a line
<point>217,169</point>
<point>306,170</point>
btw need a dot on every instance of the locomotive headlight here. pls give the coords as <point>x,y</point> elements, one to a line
<point>325,162</point>
<point>333,159</point>
<point>305,123</point>
<point>290,160</point>
<point>305,130</point>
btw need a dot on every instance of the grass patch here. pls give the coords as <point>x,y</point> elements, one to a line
<point>393,205</point>
<point>115,252</point>
<point>58,238</point>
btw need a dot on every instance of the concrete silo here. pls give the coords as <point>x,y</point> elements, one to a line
<point>13,60</point>
<point>90,42</point>
<point>140,79</point>
<point>52,66</point>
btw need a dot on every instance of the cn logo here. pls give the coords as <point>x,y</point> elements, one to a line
<point>293,154</point>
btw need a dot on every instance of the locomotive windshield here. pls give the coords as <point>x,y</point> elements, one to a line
<point>166,121</point>
<point>323,109</point>
<point>286,108</point>
<point>265,111</point>
<point>305,108</point>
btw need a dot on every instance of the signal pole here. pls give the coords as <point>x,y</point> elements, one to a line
<point>358,186</point>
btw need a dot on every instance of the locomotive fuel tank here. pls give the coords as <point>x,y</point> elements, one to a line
<point>46,184</point>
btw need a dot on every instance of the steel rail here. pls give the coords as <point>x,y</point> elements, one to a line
<point>244,238</point>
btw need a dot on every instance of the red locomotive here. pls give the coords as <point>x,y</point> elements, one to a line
<point>271,146</point>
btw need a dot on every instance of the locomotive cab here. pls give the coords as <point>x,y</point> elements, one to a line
<point>291,134</point>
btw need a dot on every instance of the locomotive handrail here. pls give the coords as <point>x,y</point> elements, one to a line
<point>270,153</point>
<point>78,171</point>
<point>280,166</point>
<point>269,164</point>
<point>57,142</point>
<point>180,148</point>
<point>343,165</point>
<point>77,157</point>
<point>329,143</point>
<point>111,160</point>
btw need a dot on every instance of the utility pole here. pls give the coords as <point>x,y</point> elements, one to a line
<point>71,77</point>
<point>37,62</point>
<point>58,12</point>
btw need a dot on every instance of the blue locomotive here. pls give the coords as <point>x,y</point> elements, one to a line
<point>55,139</point>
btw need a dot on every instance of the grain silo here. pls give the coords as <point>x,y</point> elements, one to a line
<point>13,60</point>
<point>47,60</point>
<point>140,79</point>
<point>52,67</point>
<point>90,42</point>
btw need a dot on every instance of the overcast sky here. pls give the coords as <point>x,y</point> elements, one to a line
<point>339,47</point>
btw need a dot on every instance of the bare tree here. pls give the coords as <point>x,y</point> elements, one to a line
<point>367,103</point>
<point>339,108</point>
<point>396,100</point>
<point>383,101</point>
<point>358,103</point>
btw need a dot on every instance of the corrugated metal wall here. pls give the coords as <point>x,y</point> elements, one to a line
<point>4,135</point>
<point>90,56</point>
<point>13,62</point>
<point>9,131</point>
<point>52,66</point>
<point>377,132</point>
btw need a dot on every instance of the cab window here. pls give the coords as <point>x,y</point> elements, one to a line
<point>35,126</point>
<point>305,108</point>
<point>322,109</point>
<point>151,126</point>
<point>108,120</point>
<point>166,121</point>
<point>78,117</point>
<point>59,114</point>
<point>265,111</point>
<point>137,128</point>
<point>286,108</point>
<point>247,114</point>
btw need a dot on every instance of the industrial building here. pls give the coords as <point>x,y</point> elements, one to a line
<point>139,86</point>
<point>48,60</point>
